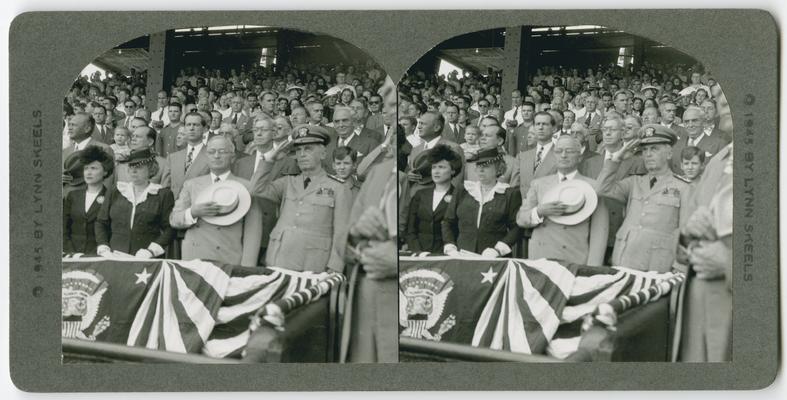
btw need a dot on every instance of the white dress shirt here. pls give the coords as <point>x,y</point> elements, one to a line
<point>560,178</point>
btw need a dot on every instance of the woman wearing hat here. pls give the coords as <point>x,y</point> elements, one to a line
<point>481,217</point>
<point>427,208</point>
<point>134,218</point>
<point>81,206</point>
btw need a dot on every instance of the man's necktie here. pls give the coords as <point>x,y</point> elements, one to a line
<point>563,179</point>
<point>217,180</point>
<point>234,118</point>
<point>189,158</point>
<point>588,119</point>
<point>516,110</point>
<point>538,157</point>
<point>161,114</point>
<point>306,181</point>
<point>652,182</point>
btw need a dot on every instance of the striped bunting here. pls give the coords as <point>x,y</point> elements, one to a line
<point>184,306</point>
<point>532,306</point>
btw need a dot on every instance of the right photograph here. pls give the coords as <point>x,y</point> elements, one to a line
<point>565,196</point>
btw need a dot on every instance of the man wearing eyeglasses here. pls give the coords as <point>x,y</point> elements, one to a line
<point>375,120</point>
<point>238,243</point>
<point>582,243</point>
<point>483,111</point>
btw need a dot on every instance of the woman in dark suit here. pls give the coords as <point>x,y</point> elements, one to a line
<point>81,206</point>
<point>134,218</point>
<point>481,217</point>
<point>427,208</point>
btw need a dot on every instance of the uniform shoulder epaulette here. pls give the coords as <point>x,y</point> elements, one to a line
<point>336,178</point>
<point>682,178</point>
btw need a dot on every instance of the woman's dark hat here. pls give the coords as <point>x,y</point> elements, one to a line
<point>487,156</point>
<point>140,157</point>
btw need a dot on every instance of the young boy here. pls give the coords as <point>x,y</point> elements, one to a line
<point>692,162</point>
<point>471,146</point>
<point>345,161</point>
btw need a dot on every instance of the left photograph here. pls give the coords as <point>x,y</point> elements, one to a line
<point>230,196</point>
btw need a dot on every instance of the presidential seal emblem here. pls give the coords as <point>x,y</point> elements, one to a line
<point>82,294</point>
<point>650,131</point>
<point>422,296</point>
<point>303,132</point>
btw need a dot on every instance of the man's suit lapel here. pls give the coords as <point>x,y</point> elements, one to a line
<point>546,163</point>
<point>200,161</point>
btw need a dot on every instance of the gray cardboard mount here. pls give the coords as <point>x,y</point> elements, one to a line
<point>48,49</point>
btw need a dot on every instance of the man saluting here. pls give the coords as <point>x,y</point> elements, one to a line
<point>315,206</point>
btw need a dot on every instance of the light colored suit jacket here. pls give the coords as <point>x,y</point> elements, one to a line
<point>175,174</point>
<point>238,243</point>
<point>584,243</point>
<point>523,172</point>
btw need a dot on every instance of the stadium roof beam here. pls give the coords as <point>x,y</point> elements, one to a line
<point>516,61</point>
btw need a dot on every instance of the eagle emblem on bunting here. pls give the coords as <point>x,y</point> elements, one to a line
<point>82,292</point>
<point>422,296</point>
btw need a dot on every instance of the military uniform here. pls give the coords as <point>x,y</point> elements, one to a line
<point>648,238</point>
<point>307,235</point>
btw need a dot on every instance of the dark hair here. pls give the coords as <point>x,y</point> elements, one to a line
<point>689,152</point>
<point>175,104</point>
<point>501,133</point>
<point>493,118</point>
<point>196,114</point>
<point>444,152</point>
<point>341,152</point>
<point>95,153</point>
<point>551,118</point>
<point>529,103</point>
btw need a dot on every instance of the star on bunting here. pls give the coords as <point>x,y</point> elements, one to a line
<point>489,276</point>
<point>143,277</point>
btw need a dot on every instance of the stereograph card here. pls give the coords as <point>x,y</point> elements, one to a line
<point>510,288</point>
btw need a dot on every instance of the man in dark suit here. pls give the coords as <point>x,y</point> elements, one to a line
<point>359,122</point>
<point>452,131</point>
<point>348,135</point>
<point>667,110</point>
<point>694,119</point>
<point>102,131</point>
<point>591,118</point>
<point>190,162</point>
<point>80,131</point>
<point>240,118</point>
<point>711,126</point>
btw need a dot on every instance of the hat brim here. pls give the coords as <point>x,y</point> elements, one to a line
<point>244,202</point>
<point>591,202</point>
